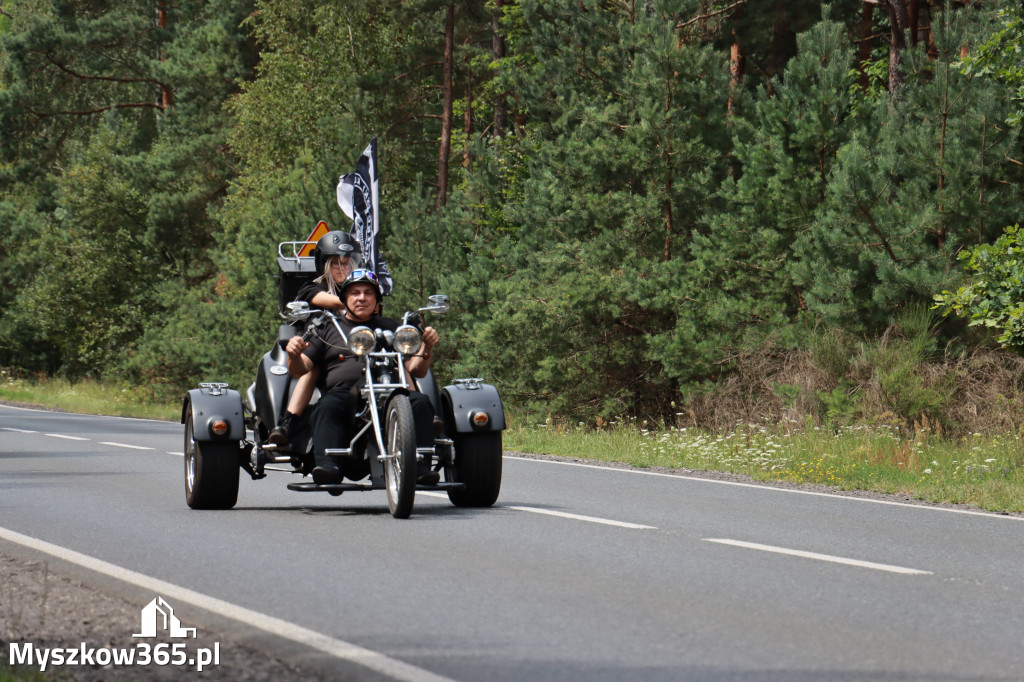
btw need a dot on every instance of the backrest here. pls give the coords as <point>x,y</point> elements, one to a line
<point>294,271</point>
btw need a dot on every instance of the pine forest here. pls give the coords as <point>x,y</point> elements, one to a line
<point>691,211</point>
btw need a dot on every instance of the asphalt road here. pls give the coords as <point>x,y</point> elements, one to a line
<point>577,573</point>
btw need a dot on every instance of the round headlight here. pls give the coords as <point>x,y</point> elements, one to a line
<point>408,339</point>
<point>361,340</point>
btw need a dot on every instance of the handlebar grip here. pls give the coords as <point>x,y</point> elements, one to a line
<point>284,333</point>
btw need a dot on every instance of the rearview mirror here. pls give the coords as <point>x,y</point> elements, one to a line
<point>297,311</point>
<point>439,303</point>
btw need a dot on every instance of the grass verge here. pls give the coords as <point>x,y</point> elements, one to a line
<point>981,470</point>
<point>9,673</point>
<point>86,397</point>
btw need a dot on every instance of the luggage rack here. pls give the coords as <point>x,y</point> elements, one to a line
<point>293,271</point>
<point>294,248</point>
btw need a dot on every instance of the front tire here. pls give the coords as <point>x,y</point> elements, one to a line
<point>478,465</point>
<point>400,465</point>
<point>211,471</point>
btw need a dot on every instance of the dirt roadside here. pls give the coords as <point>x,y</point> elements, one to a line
<point>42,605</point>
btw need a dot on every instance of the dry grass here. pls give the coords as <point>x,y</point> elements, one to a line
<point>977,392</point>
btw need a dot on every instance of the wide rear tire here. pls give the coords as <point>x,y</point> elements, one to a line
<point>478,466</point>
<point>400,465</point>
<point>211,471</point>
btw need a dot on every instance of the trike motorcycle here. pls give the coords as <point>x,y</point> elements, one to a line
<point>226,433</point>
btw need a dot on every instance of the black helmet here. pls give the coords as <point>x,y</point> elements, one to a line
<point>336,243</point>
<point>361,277</point>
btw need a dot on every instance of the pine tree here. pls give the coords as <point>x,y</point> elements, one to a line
<point>100,90</point>
<point>927,176</point>
<point>619,118</point>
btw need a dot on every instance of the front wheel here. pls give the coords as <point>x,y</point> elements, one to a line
<point>478,466</point>
<point>211,471</point>
<point>400,465</point>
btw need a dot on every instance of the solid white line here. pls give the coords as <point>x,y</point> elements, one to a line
<point>9,428</point>
<point>61,435</point>
<point>820,557</point>
<point>794,491</point>
<point>125,445</point>
<point>337,648</point>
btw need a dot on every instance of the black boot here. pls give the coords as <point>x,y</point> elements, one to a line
<point>424,474</point>
<point>280,436</point>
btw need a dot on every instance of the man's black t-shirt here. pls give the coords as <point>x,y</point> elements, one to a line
<point>330,348</point>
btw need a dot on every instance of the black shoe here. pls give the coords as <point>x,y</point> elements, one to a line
<point>428,478</point>
<point>326,475</point>
<point>280,436</point>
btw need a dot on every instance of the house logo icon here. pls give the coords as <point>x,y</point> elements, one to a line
<point>159,615</point>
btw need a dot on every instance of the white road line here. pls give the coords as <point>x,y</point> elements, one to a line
<point>84,414</point>
<point>564,515</point>
<point>820,557</point>
<point>794,491</point>
<point>61,435</point>
<point>125,445</point>
<point>10,428</point>
<point>337,648</point>
<point>577,517</point>
<point>176,454</point>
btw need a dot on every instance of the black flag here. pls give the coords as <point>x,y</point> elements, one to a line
<point>357,197</point>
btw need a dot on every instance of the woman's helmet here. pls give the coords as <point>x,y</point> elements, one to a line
<point>336,243</point>
<point>361,277</point>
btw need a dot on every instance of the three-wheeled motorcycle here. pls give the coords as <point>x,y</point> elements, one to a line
<point>226,433</point>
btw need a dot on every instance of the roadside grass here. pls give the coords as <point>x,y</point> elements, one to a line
<point>85,396</point>
<point>984,470</point>
<point>10,673</point>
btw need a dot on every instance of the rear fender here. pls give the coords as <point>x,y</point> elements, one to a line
<point>209,403</point>
<point>467,397</point>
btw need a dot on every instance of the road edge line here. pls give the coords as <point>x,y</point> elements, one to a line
<point>337,648</point>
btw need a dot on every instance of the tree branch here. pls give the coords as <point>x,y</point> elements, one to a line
<point>710,15</point>
<point>112,79</point>
<point>874,226</point>
<point>86,112</point>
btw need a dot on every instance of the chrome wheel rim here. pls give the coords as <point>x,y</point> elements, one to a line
<point>394,455</point>
<point>190,455</point>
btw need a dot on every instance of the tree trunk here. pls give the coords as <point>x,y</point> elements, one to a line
<point>446,112</point>
<point>897,43</point>
<point>161,20</point>
<point>737,66</point>
<point>467,120</point>
<point>913,10</point>
<point>867,17</point>
<point>669,226</point>
<point>783,38</point>
<point>498,53</point>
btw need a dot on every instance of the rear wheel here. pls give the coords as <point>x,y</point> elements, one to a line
<point>478,466</point>
<point>400,465</point>
<point>211,471</point>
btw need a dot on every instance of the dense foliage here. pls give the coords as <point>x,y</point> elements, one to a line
<point>622,198</point>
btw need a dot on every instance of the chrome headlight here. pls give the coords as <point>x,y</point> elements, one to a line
<point>362,340</point>
<point>407,339</point>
